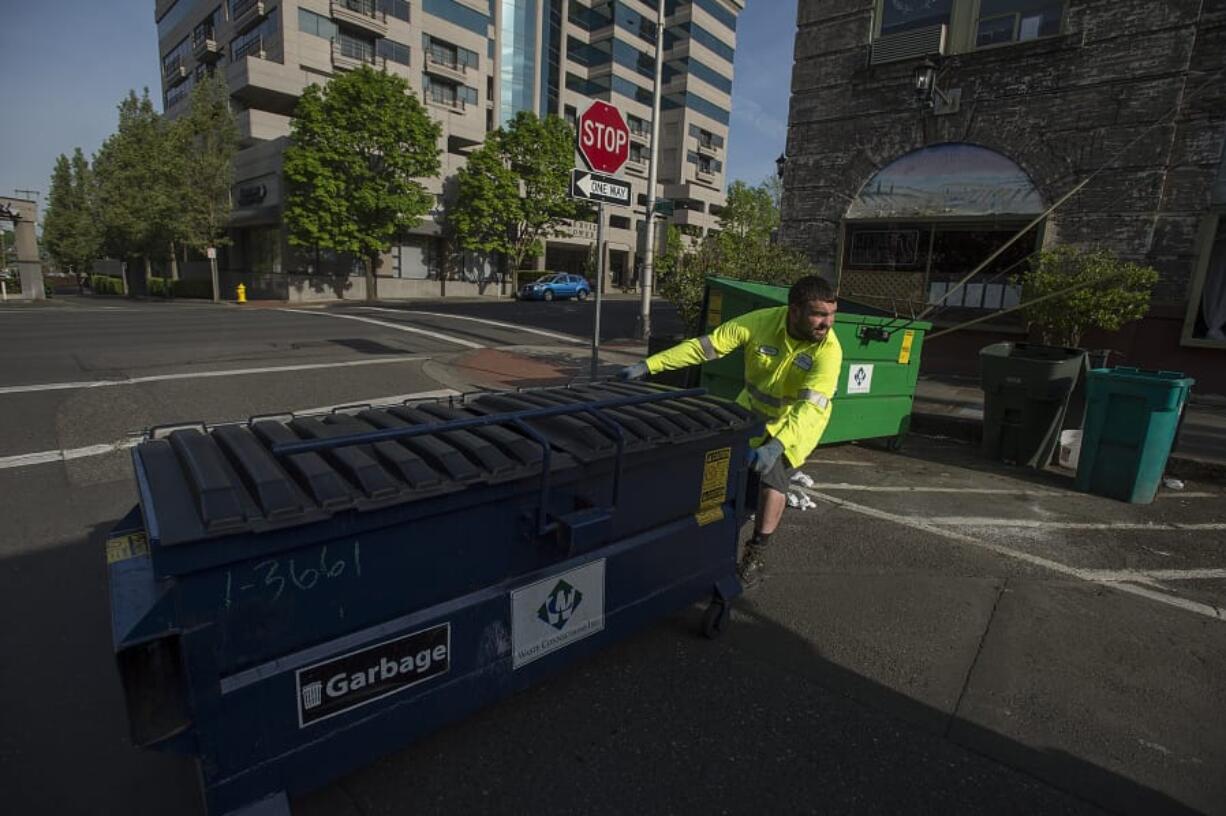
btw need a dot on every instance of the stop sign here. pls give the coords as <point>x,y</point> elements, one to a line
<point>604,139</point>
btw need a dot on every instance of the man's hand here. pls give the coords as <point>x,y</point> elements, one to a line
<point>763,458</point>
<point>633,372</point>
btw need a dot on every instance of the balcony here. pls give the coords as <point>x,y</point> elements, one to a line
<point>360,14</point>
<point>706,147</point>
<point>455,104</point>
<point>348,55</point>
<point>705,175</point>
<point>252,48</point>
<point>174,72</point>
<point>204,47</point>
<point>641,133</point>
<point>245,13</point>
<point>445,63</point>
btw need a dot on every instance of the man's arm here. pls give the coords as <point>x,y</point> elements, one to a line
<point>726,338</point>
<point>801,428</point>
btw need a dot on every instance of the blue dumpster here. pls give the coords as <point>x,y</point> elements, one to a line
<point>296,596</point>
<point>1130,425</point>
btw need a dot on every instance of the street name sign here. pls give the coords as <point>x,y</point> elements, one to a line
<point>604,139</point>
<point>595,187</point>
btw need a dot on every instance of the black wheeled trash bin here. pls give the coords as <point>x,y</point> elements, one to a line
<point>1026,390</point>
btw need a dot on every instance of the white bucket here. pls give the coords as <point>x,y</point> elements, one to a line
<point>1070,449</point>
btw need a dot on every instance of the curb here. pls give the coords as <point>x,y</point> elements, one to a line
<point>971,431</point>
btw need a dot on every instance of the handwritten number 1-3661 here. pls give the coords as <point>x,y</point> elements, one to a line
<point>273,575</point>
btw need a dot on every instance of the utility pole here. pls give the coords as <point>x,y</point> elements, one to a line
<point>653,162</point>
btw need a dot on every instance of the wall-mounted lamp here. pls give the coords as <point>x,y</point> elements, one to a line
<point>779,163</point>
<point>928,92</point>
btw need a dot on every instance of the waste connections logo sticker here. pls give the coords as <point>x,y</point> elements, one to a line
<point>553,613</point>
<point>560,605</point>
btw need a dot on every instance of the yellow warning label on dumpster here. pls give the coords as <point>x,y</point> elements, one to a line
<point>122,548</point>
<point>714,486</point>
<point>715,309</point>
<point>904,354</point>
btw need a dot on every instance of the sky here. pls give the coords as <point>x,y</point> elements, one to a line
<point>66,64</point>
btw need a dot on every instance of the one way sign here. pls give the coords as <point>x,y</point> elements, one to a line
<point>595,187</point>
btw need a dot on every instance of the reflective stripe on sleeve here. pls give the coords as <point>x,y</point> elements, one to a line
<point>816,397</point>
<point>708,348</point>
<point>762,396</point>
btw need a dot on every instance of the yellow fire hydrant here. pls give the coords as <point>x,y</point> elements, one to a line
<point>241,291</point>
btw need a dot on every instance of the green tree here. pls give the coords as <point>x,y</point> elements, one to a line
<point>207,139</point>
<point>515,190</point>
<point>136,187</point>
<point>357,147</point>
<point>742,250</point>
<point>70,234</point>
<point>1106,293</point>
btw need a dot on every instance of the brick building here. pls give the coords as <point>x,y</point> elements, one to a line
<point>897,198</point>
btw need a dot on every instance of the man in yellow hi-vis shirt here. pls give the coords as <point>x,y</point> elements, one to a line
<point>792,362</point>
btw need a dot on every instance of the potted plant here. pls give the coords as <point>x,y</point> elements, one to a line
<point>1106,293</point>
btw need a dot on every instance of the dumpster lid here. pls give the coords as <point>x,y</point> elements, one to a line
<point>276,472</point>
<point>848,311</point>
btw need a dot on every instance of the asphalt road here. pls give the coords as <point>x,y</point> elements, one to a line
<point>938,635</point>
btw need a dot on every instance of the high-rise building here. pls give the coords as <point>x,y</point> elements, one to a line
<point>475,64</point>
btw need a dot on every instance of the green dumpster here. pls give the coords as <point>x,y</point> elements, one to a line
<point>881,357</point>
<point>1131,420</point>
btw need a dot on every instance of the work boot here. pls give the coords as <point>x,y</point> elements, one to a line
<point>752,568</point>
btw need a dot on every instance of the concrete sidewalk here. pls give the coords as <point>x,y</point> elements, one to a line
<point>953,406</point>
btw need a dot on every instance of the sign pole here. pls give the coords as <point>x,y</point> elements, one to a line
<point>599,285</point>
<point>212,253</point>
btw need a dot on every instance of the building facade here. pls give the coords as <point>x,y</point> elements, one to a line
<point>475,64</point>
<point>898,195</point>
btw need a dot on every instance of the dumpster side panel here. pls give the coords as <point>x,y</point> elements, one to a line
<point>645,577</point>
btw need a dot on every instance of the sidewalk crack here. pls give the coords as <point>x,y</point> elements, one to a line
<point>966,681</point>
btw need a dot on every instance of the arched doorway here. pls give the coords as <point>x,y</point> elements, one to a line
<point>926,220</point>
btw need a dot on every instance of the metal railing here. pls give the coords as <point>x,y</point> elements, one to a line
<point>202,34</point>
<point>445,58</point>
<point>253,47</point>
<point>365,7</point>
<point>456,101</point>
<point>240,7</point>
<point>354,50</point>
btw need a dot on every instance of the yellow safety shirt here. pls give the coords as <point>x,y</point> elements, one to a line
<point>789,382</point>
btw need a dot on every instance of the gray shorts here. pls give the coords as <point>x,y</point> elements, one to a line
<point>779,477</point>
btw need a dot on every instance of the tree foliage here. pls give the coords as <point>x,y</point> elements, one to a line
<point>207,139</point>
<point>742,250</point>
<point>515,190</point>
<point>1110,293</point>
<point>136,172</point>
<point>358,146</point>
<point>70,233</point>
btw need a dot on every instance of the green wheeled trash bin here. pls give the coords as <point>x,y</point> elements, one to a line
<point>1026,390</point>
<point>1131,420</point>
<point>881,360</point>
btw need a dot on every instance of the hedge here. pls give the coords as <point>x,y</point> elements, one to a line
<point>105,285</point>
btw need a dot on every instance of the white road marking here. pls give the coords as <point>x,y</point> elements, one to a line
<point>195,375</point>
<point>990,491</point>
<point>397,326</point>
<point>569,338</point>
<point>50,456</point>
<point>976,521</point>
<point>1118,580</point>
<point>841,463</point>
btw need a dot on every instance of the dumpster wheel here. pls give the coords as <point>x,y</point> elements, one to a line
<point>894,444</point>
<point>715,618</point>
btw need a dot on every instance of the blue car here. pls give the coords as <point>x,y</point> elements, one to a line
<point>557,286</point>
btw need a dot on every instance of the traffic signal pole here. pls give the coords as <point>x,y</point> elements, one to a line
<point>643,327</point>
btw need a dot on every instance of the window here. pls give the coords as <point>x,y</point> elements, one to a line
<point>588,55</point>
<point>175,56</point>
<point>442,52</point>
<point>639,153</point>
<point>1007,21</point>
<point>589,19</point>
<point>256,41</point>
<point>639,127</point>
<point>711,7</point>
<point>692,67</point>
<point>206,29</point>
<point>570,114</point>
<point>355,47</point>
<point>905,15</point>
<point>451,94</point>
<point>619,222</point>
<point>392,51</point>
<point>706,138</point>
<point>177,93</point>
<point>630,90</point>
<point>1207,306</point>
<point>395,8</point>
<point>461,15</point>
<point>700,35</point>
<point>311,23</point>
<point>627,55</point>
